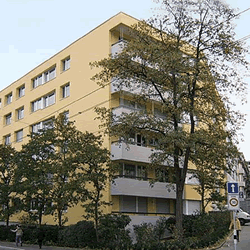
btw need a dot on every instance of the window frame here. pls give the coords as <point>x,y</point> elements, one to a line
<point>8,119</point>
<point>20,113</point>
<point>65,90</point>
<point>7,139</point>
<point>19,139</point>
<point>21,91</point>
<point>66,64</point>
<point>9,98</point>
<point>44,77</point>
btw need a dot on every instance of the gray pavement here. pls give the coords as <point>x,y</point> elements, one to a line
<point>244,243</point>
<point>12,246</point>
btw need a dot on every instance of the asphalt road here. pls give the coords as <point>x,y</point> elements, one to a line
<point>244,243</point>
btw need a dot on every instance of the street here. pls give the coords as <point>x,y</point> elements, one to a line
<point>244,243</point>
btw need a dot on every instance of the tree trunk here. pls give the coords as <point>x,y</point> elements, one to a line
<point>179,203</point>
<point>40,217</point>
<point>7,220</point>
<point>59,217</point>
<point>179,209</point>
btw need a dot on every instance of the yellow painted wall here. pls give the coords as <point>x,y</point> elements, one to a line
<point>190,193</point>
<point>84,95</point>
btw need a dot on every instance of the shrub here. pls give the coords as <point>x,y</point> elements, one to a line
<point>112,232</point>
<point>6,234</point>
<point>81,234</point>
<point>145,236</point>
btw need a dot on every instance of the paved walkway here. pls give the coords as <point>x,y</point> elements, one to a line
<point>12,246</point>
<point>244,243</point>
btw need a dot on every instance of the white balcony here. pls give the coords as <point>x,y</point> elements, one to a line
<point>130,152</point>
<point>133,187</point>
<point>117,48</point>
<point>191,180</point>
<point>121,109</point>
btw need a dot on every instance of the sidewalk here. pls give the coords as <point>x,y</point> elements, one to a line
<point>12,246</point>
<point>244,243</point>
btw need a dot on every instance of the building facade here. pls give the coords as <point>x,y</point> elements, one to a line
<point>62,84</point>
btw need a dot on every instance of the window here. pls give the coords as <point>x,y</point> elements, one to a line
<point>49,99</point>
<point>162,205</point>
<point>153,142</point>
<point>137,139</point>
<point>44,77</point>
<point>159,113</point>
<point>0,103</point>
<point>133,204</point>
<point>8,119</point>
<point>43,102</point>
<point>66,64</point>
<point>65,90</point>
<point>133,171</point>
<point>38,81</point>
<point>19,135</point>
<point>132,104</point>
<point>7,139</point>
<point>21,91</point>
<point>50,74</point>
<point>36,127</point>
<point>9,98</point>
<point>165,175</point>
<point>66,117</point>
<point>36,105</point>
<point>47,124</point>
<point>20,113</point>
<point>33,205</point>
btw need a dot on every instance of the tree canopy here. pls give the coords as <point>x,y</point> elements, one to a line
<point>185,60</point>
<point>9,199</point>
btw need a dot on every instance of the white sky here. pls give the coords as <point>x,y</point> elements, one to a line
<point>34,30</point>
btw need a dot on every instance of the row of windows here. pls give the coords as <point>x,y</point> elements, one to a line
<point>37,81</point>
<point>140,107</point>
<point>18,136</point>
<point>41,103</point>
<point>132,171</point>
<point>139,140</point>
<point>134,204</point>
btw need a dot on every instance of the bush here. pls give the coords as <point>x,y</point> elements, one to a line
<point>6,234</point>
<point>145,236</point>
<point>81,234</point>
<point>112,232</point>
<point>200,230</point>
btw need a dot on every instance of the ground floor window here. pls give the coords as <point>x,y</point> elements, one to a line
<point>162,205</point>
<point>133,204</point>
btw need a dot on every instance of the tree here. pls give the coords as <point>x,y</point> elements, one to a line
<point>35,170</point>
<point>210,171</point>
<point>97,171</point>
<point>9,199</point>
<point>66,181</point>
<point>48,167</point>
<point>187,60</point>
<point>211,181</point>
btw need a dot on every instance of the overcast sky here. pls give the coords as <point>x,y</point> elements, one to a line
<point>34,30</point>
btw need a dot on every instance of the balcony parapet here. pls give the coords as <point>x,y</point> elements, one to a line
<point>134,187</point>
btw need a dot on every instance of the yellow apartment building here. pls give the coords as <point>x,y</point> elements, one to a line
<point>62,84</point>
